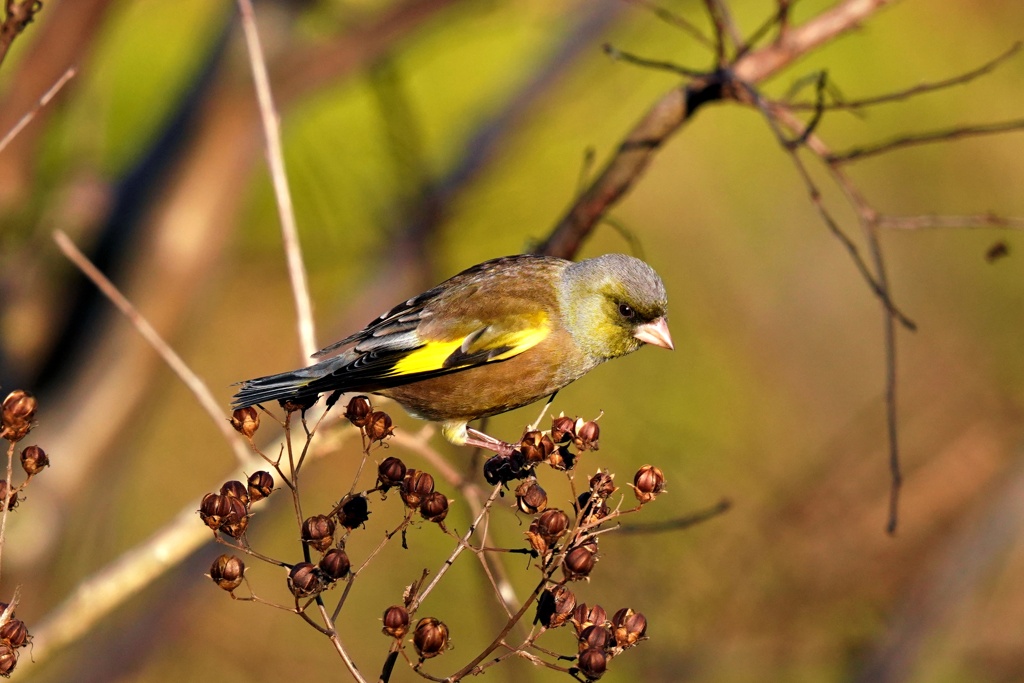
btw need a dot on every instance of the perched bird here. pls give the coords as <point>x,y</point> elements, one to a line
<point>495,337</point>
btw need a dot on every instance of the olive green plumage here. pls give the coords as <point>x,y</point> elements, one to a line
<point>497,336</point>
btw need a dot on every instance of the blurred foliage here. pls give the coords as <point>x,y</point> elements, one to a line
<point>773,397</point>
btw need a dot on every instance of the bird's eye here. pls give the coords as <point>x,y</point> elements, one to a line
<point>626,311</point>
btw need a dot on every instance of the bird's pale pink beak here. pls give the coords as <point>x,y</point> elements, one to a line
<point>655,332</point>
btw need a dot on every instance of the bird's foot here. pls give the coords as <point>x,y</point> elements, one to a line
<point>480,440</point>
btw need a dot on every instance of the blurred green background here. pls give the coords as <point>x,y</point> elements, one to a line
<point>423,137</point>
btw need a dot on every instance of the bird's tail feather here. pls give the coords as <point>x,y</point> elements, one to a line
<point>286,385</point>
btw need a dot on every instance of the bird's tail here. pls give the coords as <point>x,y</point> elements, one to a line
<point>286,385</point>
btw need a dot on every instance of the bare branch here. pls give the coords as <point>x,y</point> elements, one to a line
<point>957,133</point>
<point>275,158</point>
<point>43,101</point>
<point>173,360</point>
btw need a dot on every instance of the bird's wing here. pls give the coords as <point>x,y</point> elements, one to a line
<point>477,317</point>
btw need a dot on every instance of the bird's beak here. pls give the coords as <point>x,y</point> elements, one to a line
<point>655,332</point>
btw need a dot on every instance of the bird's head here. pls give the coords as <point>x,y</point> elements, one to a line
<point>613,305</point>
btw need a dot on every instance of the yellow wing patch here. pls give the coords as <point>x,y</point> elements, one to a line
<point>433,356</point>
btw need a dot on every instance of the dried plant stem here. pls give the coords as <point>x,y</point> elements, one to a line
<point>11,492</point>
<point>196,385</point>
<point>275,158</point>
<point>43,101</point>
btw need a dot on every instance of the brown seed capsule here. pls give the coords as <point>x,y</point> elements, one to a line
<point>236,489</point>
<point>434,507</point>
<point>358,410</point>
<point>602,484</point>
<point>416,486</point>
<point>302,403</point>
<point>536,446</point>
<point>390,472</point>
<point>246,421</point>
<point>597,637</point>
<point>227,572</point>
<point>304,580</point>
<point>214,509</point>
<point>530,497</point>
<point>430,637</point>
<point>396,621</point>
<point>559,603</point>
<point>552,524</point>
<point>629,627</point>
<point>587,435</point>
<point>335,564</point>
<point>580,561</point>
<point>354,512</point>
<point>378,426</point>
<point>562,428</point>
<point>8,660</point>
<point>592,663</point>
<point>584,616</point>
<point>16,415</point>
<point>261,485</point>
<point>236,521</point>
<point>33,460</point>
<point>15,633</point>
<point>562,459</point>
<point>648,483</point>
<point>318,532</point>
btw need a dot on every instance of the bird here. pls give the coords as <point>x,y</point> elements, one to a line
<point>498,336</point>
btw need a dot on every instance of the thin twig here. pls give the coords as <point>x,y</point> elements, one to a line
<point>275,158</point>
<point>957,133</point>
<point>9,494</point>
<point>920,89</point>
<point>43,101</point>
<point>981,220</point>
<point>196,385</point>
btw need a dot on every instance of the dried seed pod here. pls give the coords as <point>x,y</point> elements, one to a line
<point>530,497</point>
<point>596,637</point>
<point>562,429</point>
<point>261,485</point>
<point>536,446</point>
<point>358,410</point>
<point>318,532</point>
<point>15,633</point>
<point>236,521</point>
<point>396,621</point>
<point>416,486</point>
<point>580,561</point>
<point>335,564</point>
<point>304,580</point>
<point>227,571</point>
<point>556,606</point>
<point>591,507</point>
<point>629,627</point>
<point>34,460</point>
<point>584,616</point>
<point>592,663</point>
<point>648,483</point>
<point>587,434</point>
<point>562,459</point>
<point>246,421</point>
<point>552,525</point>
<point>16,415</point>
<point>354,512</point>
<point>378,426</point>
<point>501,469</point>
<point>214,509</point>
<point>602,484</point>
<point>302,403</point>
<point>434,507</point>
<point>236,489</point>
<point>390,472</point>
<point>430,637</point>
<point>8,660</point>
